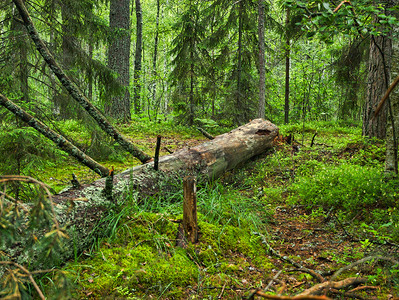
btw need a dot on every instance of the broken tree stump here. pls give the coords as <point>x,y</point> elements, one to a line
<point>190,222</point>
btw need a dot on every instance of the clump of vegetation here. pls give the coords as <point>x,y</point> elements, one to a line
<point>347,186</point>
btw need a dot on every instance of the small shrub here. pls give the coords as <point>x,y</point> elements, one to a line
<point>348,187</point>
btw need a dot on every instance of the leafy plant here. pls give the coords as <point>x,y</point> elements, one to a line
<point>348,187</point>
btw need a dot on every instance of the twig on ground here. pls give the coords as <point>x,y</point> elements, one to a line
<point>205,133</point>
<point>286,258</point>
<point>314,274</point>
<point>274,297</point>
<point>221,293</point>
<point>271,281</point>
<point>314,136</point>
<point>363,260</point>
<point>168,150</point>
<point>321,287</point>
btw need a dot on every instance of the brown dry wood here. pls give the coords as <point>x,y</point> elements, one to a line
<point>190,223</point>
<point>321,287</point>
<point>73,89</point>
<point>385,97</point>
<point>275,297</point>
<point>211,159</point>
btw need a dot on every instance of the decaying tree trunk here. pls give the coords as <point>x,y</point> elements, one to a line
<point>83,210</point>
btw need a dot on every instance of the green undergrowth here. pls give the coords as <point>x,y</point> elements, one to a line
<point>339,179</point>
<point>141,258</point>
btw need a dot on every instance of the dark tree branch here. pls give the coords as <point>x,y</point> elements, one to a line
<point>73,90</point>
<point>59,140</point>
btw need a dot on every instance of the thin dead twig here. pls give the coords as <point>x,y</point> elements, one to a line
<point>321,287</point>
<point>274,297</point>
<point>29,274</point>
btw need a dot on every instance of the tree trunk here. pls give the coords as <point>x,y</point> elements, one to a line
<point>208,160</point>
<point>154,63</point>
<point>137,58</point>
<point>391,160</point>
<point>239,105</point>
<point>262,70</point>
<point>21,60</point>
<point>377,83</point>
<point>73,90</point>
<point>118,57</point>
<point>287,70</point>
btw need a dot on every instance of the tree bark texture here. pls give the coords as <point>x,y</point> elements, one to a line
<point>190,222</point>
<point>208,161</point>
<point>118,57</point>
<point>137,57</point>
<point>377,83</point>
<point>21,61</point>
<point>391,159</point>
<point>287,70</point>
<point>73,90</point>
<point>262,69</point>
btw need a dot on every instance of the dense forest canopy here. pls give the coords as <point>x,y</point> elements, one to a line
<point>198,59</point>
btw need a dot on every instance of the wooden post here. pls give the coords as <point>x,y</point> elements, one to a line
<point>190,223</point>
<point>157,148</point>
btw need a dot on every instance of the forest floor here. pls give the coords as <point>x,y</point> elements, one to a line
<point>262,231</point>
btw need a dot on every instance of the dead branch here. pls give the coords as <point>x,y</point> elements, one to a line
<point>321,287</point>
<point>363,260</point>
<point>361,288</point>
<point>314,136</point>
<point>389,90</point>
<point>271,281</point>
<point>275,297</point>
<point>168,150</point>
<point>314,274</point>
<point>286,258</point>
<point>205,133</point>
<point>29,274</point>
<point>59,140</point>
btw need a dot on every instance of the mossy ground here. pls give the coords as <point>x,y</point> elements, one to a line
<point>263,204</point>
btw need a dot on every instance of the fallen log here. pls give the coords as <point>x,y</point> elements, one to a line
<point>82,211</point>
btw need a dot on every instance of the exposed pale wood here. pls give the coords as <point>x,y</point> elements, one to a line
<point>190,222</point>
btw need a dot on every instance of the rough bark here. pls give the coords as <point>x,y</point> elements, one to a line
<point>59,140</point>
<point>287,71</point>
<point>262,69</point>
<point>118,57</point>
<point>154,61</point>
<point>190,222</point>
<point>21,57</point>
<point>377,83</point>
<point>73,90</point>
<point>239,106</point>
<point>208,160</point>
<point>391,160</point>
<point>137,57</point>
